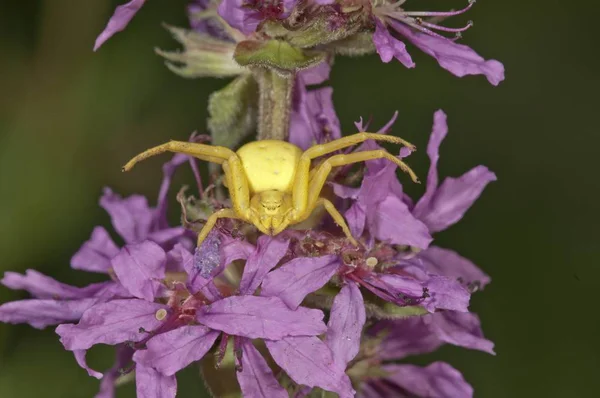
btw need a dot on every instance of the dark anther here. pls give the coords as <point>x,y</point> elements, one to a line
<point>425,293</point>
<point>142,330</point>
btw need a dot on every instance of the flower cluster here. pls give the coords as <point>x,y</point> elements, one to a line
<point>305,311</point>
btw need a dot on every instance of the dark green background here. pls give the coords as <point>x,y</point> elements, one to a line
<point>69,118</point>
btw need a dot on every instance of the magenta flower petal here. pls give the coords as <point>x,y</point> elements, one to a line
<point>242,18</point>
<point>389,47</point>
<point>80,359</point>
<point>446,294</point>
<point>42,313</point>
<point>295,279</point>
<point>313,119</point>
<point>140,267</point>
<point>458,59</point>
<point>425,334</point>
<point>177,257</point>
<point>268,252</point>
<point>438,380</point>
<point>346,321</point>
<point>95,254</point>
<point>391,221</point>
<point>131,217</point>
<point>174,350</point>
<point>308,361</point>
<point>256,378</point>
<point>152,384</point>
<point>438,133</point>
<point>42,286</point>
<point>261,317</point>
<point>442,206</point>
<point>455,196</point>
<point>437,260</point>
<point>316,75</point>
<point>459,328</point>
<point>119,20</point>
<point>111,323</point>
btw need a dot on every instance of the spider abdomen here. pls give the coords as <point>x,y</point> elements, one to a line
<point>270,164</point>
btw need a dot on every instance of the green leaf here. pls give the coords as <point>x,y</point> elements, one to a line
<point>233,111</point>
<point>275,54</point>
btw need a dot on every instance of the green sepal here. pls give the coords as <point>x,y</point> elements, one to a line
<point>358,44</point>
<point>320,393</point>
<point>315,31</point>
<point>233,111</point>
<point>203,55</point>
<point>388,310</point>
<point>276,54</point>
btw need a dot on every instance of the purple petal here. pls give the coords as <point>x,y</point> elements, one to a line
<point>316,75</point>
<point>438,133</point>
<point>174,350</point>
<point>123,358</point>
<point>346,321</point>
<point>391,221</point>
<point>443,206</point>
<point>177,258</point>
<point>405,337</point>
<point>455,196</point>
<point>308,361</point>
<point>80,358</point>
<point>131,217</point>
<point>458,59</point>
<point>356,217</point>
<point>459,328</point>
<point>111,323</point>
<point>42,313</point>
<point>242,18</point>
<point>119,20</point>
<point>268,252</point>
<point>261,317</point>
<point>140,267</point>
<point>95,254</point>
<point>389,47</point>
<point>151,384</point>
<point>168,236</point>
<point>313,119</point>
<point>425,334</point>
<point>256,378</point>
<point>446,294</point>
<point>438,380</point>
<point>437,260</point>
<point>44,287</point>
<point>299,277</point>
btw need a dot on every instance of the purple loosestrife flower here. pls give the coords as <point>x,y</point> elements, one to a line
<point>458,59</point>
<point>178,325</point>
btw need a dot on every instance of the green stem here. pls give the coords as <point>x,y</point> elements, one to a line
<point>275,101</point>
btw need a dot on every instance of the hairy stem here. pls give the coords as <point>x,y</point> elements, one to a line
<point>275,101</point>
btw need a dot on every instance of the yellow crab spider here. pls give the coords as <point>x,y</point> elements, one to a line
<point>271,183</point>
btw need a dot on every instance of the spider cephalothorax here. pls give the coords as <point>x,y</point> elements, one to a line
<point>271,183</point>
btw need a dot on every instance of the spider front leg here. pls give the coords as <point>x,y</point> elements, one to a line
<point>209,153</point>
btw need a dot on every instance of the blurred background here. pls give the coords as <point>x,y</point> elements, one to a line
<point>69,118</point>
